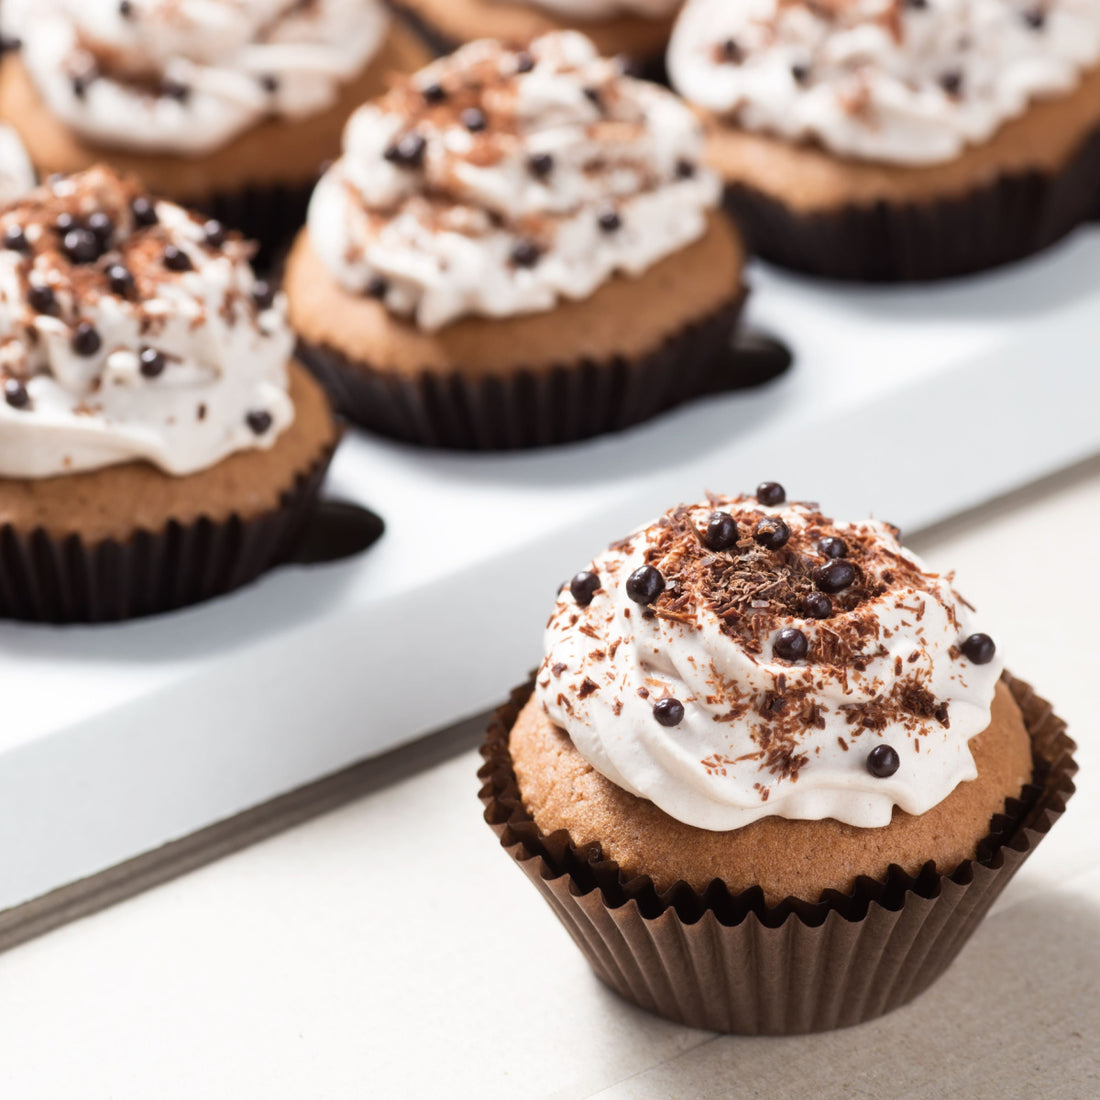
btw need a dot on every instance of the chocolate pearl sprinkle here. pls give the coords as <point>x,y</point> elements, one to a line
<point>833,547</point>
<point>772,534</point>
<point>378,287</point>
<point>817,606</point>
<point>790,644</point>
<point>120,281</point>
<point>609,221</point>
<point>732,52</point>
<point>540,165</point>
<point>86,339</point>
<point>525,254</point>
<point>685,170</point>
<point>474,119</point>
<point>584,586</point>
<point>144,211</point>
<point>101,225</point>
<point>15,240</point>
<point>269,83</point>
<point>834,576</point>
<point>175,259</point>
<point>979,649</point>
<point>214,233</point>
<point>951,83</point>
<point>125,8</point>
<point>81,246</point>
<point>721,531</point>
<point>645,584</point>
<point>408,151</point>
<point>771,494</point>
<point>41,298</point>
<point>882,762</point>
<point>15,394</point>
<point>525,62</point>
<point>434,93</point>
<point>173,89</point>
<point>263,294</point>
<point>1035,18</point>
<point>800,73</point>
<point>669,712</point>
<point>151,362</point>
<point>259,421</point>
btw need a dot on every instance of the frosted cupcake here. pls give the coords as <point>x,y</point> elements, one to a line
<point>229,107</point>
<point>891,139</point>
<point>156,445</point>
<point>771,771</point>
<point>637,29</point>
<point>518,247</point>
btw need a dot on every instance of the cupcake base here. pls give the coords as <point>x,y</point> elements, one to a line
<point>67,580</point>
<point>1014,217</point>
<point>731,963</point>
<point>530,408</point>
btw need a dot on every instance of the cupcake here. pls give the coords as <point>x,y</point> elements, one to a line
<point>516,248</point>
<point>156,445</point>
<point>636,29</point>
<point>770,772</point>
<point>893,139</point>
<point>227,107</point>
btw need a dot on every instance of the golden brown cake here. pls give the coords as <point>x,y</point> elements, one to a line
<point>475,275</point>
<point>905,157</point>
<point>156,444</point>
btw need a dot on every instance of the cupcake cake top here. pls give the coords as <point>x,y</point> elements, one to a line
<point>593,11</point>
<point>743,658</point>
<point>905,81</point>
<point>187,76</point>
<point>131,329</point>
<point>498,182</point>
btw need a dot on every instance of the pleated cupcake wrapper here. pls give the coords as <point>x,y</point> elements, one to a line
<point>45,579</point>
<point>731,963</point>
<point>528,408</point>
<point>1014,217</point>
<point>649,68</point>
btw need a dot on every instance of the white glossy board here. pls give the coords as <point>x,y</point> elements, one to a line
<point>910,403</point>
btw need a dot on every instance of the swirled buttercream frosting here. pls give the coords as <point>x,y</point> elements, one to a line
<point>904,81</point>
<point>131,330</point>
<point>736,660</point>
<point>187,76</point>
<point>499,182</point>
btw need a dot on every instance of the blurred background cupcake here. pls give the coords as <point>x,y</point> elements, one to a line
<point>769,773</point>
<point>518,247</point>
<point>229,107</point>
<point>898,139</point>
<point>157,446</point>
<point>637,29</point>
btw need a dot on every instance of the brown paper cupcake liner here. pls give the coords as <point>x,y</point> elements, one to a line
<point>1014,217</point>
<point>731,963</point>
<point>648,68</point>
<point>528,408</point>
<point>51,580</point>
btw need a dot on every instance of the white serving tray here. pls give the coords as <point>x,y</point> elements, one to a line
<point>911,403</point>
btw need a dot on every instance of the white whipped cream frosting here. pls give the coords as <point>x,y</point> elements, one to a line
<point>70,404</point>
<point>903,81</point>
<point>760,735</point>
<point>620,185</point>
<point>597,11</point>
<point>187,76</point>
<point>16,173</point>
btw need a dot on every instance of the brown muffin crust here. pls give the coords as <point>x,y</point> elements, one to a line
<point>276,152</point>
<point>802,859</point>
<point>462,21</point>
<point>625,317</point>
<point>808,178</point>
<point>116,501</point>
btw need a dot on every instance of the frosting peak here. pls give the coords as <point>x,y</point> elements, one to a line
<point>906,81</point>
<point>735,660</point>
<point>498,182</point>
<point>186,76</point>
<point>131,329</point>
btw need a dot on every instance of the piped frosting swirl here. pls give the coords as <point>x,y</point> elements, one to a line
<point>131,330</point>
<point>903,81</point>
<point>735,660</point>
<point>186,76</point>
<point>498,182</point>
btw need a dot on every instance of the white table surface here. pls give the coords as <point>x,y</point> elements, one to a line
<point>390,949</point>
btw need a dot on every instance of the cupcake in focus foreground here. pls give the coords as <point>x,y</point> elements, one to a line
<point>228,107</point>
<point>157,447</point>
<point>637,29</point>
<point>770,773</point>
<point>892,139</point>
<point>518,247</point>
